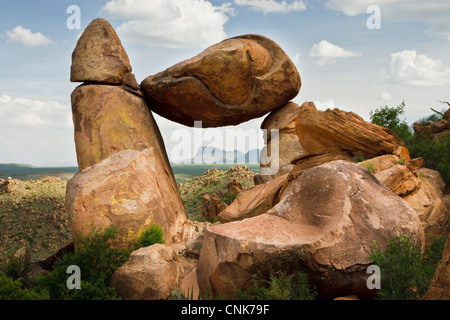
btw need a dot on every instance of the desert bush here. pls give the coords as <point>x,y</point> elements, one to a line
<point>16,265</point>
<point>97,260</point>
<point>228,198</point>
<point>11,289</point>
<point>280,286</point>
<point>150,236</point>
<point>405,273</point>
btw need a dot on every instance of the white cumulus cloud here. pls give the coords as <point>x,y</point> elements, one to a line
<point>385,96</point>
<point>433,12</point>
<point>170,23</point>
<point>272,6</point>
<point>23,112</point>
<point>21,35</point>
<point>328,52</point>
<point>418,69</point>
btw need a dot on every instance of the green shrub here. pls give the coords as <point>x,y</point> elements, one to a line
<point>370,166</point>
<point>16,266</point>
<point>434,153</point>
<point>228,198</point>
<point>97,260</point>
<point>359,159</point>
<point>405,273</point>
<point>389,117</point>
<point>150,236</point>
<point>13,290</point>
<point>280,286</point>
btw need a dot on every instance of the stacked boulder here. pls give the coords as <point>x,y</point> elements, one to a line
<point>319,211</point>
<point>125,179</point>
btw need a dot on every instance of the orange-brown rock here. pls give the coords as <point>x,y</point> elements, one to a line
<point>255,201</point>
<point>151,273</point>
<point>380,163</point>
<point>229,83</point>
<point>285,141</point>
<point>129,190</point>
<point>428,202</point>
<point>324,224</point>
<point>312,159</point>
<point>211,206</point>
<point>100,57</point>
<point>318,130</point>
<point>398,178</point>
<point>234,187</point>
<point>440,285</point>
<point>108,119</point>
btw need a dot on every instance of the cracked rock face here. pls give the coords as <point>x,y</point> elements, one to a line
<point>100,57</point>
<point>129,190</point>
<point>229,83</point>
<point>324,224</point>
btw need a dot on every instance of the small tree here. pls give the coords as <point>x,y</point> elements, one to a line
<point>390,118</point>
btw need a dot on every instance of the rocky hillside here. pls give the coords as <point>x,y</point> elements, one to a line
<point>33,214</point>
<point>213,182</point>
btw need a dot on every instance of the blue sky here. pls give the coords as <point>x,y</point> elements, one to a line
<point>341,61</point>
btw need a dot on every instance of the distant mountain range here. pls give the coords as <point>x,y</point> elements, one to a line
<point>213,155</point>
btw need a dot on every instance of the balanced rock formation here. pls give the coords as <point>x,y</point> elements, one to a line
<point>100,57</point>
<point>229,83</point>
<point>286,143</point>
<point>318,130</point>
<point>129,190</point>
<point>325,225</point>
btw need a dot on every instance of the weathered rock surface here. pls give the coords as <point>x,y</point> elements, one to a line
<point>440,285</point>
<point>234,187</point>
<point>398,178</point>
<point>100,57</point>
<point>150,273</point>
<point>435,130</point>
<point>212,206</point>
<point>129,190</point>
<point>428,202</point>
<point>421,188</point>
<point>207,87</point>
<point>255,201</point>
<point>288,145</point>
<point>108,119</point>
<point>325,224</point>
<point>313,159</point>
<point>319,130</point>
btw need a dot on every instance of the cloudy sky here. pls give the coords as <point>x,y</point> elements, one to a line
<point>346,59</point>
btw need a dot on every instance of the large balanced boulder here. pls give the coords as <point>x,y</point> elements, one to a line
<point>100,57</point>
<point>108,119</point>
<point>229,83</point>
<point>129,190</point>
<point>279,131</point>
<point>319,130</point>
<point>325,225</point>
